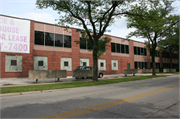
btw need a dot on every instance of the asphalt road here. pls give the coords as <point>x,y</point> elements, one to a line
<point>152,98</point>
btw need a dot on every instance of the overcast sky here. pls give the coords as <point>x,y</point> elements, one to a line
<point>27,9</point>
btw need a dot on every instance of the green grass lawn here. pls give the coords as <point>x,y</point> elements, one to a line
<point>176,73</point>
<point>41,87</point>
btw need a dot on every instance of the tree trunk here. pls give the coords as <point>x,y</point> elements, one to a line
<point>154,65</point>
<point>95,67</point>
<point>95,58</point>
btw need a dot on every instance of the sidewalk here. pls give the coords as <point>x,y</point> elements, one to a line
<point>26,81</point>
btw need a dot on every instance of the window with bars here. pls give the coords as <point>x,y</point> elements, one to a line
<point>40,63</point>
<point>13,62</point>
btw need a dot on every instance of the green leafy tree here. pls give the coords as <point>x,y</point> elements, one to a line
<point>171,39</point>
<point>94,16</point>
<point>154,19</point>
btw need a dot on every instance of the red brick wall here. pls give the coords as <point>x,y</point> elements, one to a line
<point>75,49</point>
<point>131,54</point>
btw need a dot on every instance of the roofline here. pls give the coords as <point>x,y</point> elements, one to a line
<point>64,26</point>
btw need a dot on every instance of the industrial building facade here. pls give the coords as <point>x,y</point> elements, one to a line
<point>51,47</point>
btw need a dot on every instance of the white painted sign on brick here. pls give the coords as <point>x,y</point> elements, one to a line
<point>14,35</point>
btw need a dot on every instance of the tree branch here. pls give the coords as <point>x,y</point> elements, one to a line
<point>168,28</point>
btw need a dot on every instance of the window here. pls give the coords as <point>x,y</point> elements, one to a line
<point>113,49</point>
<point>87,68</point>
<point>165,54</point>
<point>13,62</point>
<point>66,64</point>
<point>139,51</point>
<point>102,64</point>
<point>122,48</point>
<point>157,54</point>
<point>145,52</point>
<point>83,44</point>
<point>49,39</point>
<point>135,50</point>
<point>84,63</point>
<point>136,66</point>
<point>40,63</point>
<point>58,40</point>
<point>114,64</point>
<point>39,38</point>
<point>140,65</point>
<point>127,49</point>
<point>89,45</point>
<point>67,41</point>
<point>142,51</point>
<point>118,48</point>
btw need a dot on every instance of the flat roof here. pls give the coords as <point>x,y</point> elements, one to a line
<point>63,26</point>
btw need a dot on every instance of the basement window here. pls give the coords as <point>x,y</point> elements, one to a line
<point>84,63</point>
<point>66,63</point>
<point>114,64</point>
<point>102,64</point>
<point>40,63</point>
<point>13,62</point>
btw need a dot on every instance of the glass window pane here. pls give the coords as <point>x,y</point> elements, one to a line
<point>84,63</point>
<point>113,47</point>
<point>127,49</point>
<point>102,64</point>
<point>145,65</point>
<point>89,45</point>
<point>59,40</point>
<point>67,41</point>
<point>39,38</point>
<point>142,51</point>
<point>118,48</point>
<point>66,63</point>
<point>136,65</point>
<point>140,65</point>
<point>13,62</point>
<point>114,64</point>
<point>139,49</point>
<point>83,43</point>
<point>49,39</point>
<point>40,63</point>
<point>122,48</point>
<point>135,50</point>
<point>145,52</point>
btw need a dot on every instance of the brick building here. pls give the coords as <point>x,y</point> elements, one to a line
<point>51,47</point>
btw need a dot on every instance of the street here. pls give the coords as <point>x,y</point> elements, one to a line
<point>151,98</point>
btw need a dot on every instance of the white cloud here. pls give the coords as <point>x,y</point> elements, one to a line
<point>42,17</point>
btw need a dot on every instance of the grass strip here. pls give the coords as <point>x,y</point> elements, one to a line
<point>27,88</point>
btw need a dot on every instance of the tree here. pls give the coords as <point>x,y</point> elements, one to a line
<point>154,19</point>
<point>171,39</point>
<point>93,16</point>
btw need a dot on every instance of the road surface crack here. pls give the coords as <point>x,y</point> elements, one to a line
<point>162,110</point>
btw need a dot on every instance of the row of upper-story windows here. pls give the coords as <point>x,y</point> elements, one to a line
<point>52,39</point>
<point>140,51</point>
<point>174,56</point>
<point>165,54</point>
<point>60,40</point>
<point>119,48</point>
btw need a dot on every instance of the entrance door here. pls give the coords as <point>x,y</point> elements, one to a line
<point>128,66</point>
